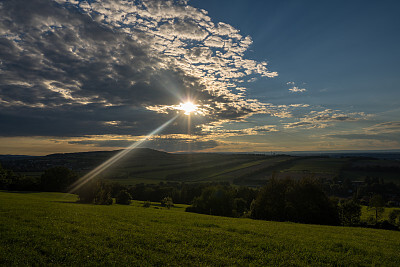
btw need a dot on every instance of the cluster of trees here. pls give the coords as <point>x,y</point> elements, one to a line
<point>12,181</point>
<point>296,201</point>
<point>56,179</point>
<point>223,200</point>
<point>303,201</point>
<point>344,187</point>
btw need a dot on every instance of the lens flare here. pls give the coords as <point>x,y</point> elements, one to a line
<point>105,165</point>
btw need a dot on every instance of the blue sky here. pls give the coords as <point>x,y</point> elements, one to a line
<point>264,75</point>
<point>337,48</point>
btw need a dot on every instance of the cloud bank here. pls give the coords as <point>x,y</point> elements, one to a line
<point>77,70</point>
<point>73,67</point>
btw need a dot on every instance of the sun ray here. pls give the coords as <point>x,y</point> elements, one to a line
<point>107,164</point>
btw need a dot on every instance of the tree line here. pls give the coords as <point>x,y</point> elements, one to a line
<point>302,200</point>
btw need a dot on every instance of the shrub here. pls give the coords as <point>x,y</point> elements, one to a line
<point>394,217</point>
<point>146,204</point>
<point>123,197</point>
<point>167,202</point>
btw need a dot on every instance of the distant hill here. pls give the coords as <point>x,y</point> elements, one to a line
<point>144,165</point>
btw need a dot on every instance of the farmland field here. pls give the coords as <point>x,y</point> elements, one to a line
<point>151,166</point>
<point>51,229</point>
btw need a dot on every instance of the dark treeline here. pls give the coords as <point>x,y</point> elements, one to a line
<point>305,200</point>
<point>362,190</point>
<point>296,201</point>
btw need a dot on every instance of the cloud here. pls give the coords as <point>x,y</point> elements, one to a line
<point>68,68</point>
<point>165,143</point>
<point>296,89</point>
<point>79,69</point>
<point>385,127</point>
<point>387,131</point>
<point>325,118</point>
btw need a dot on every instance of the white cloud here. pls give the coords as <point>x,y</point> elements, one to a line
<point>296,89</point>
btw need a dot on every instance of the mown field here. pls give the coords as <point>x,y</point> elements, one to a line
<point>51,229</point>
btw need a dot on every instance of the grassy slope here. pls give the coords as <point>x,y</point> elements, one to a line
<point>44,228</point>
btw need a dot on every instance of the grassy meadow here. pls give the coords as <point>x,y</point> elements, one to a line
<point>52,229</point>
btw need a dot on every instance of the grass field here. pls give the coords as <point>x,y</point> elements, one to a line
<point>51,229</point>
<point>367,213</point>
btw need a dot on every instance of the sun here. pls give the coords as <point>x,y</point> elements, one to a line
<point>188,107</point>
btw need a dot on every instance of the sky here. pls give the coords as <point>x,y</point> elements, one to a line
<point>287,75</point>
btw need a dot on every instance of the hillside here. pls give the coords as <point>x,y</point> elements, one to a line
<point>144,165</point>
<point>51,229</point>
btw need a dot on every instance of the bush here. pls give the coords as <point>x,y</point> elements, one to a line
<point>394,217</point>
<point>146,204</point>
<point>123,197</point>
<point>167,202</point>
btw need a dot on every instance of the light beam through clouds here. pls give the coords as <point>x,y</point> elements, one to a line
<point>107,164</point>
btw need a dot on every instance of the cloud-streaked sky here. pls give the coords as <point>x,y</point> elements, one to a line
<point>265,75</point>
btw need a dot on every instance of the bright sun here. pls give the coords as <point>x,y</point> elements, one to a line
<point>188,107</point>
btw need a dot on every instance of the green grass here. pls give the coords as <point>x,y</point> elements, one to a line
<point>367,213</point>
<point>318,165</point>
<point>50,229</point>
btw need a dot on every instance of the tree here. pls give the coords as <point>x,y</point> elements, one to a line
<point>270,202</point>
<point>349,212</point>
<point>167,202</point>
<point>394,217</point>
<point>96,192</point>
<point>57,179</point>
<point>377,204</point>
<point>239,206</point>
<point>123,197</point>
<point>6,178</point>
<point>214,200</point>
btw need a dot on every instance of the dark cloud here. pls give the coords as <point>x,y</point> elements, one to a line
<point>67,69</point>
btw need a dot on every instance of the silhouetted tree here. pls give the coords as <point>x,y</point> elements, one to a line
<point>239,206</point>
<point>377,204</point>
<point>57,179</point>
<point>96,192</point>
<point>123,197</point>
<point>349,212</point>
<point>167,202</point>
